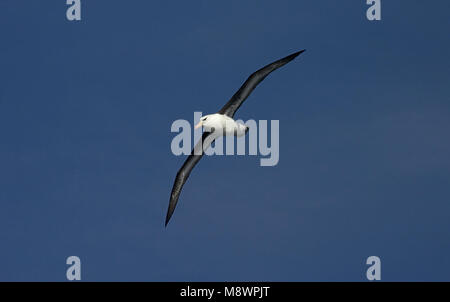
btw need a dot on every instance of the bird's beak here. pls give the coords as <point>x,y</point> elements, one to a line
<point>198,125</point>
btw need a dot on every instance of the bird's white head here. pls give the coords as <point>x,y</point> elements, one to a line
<point>205,121</point>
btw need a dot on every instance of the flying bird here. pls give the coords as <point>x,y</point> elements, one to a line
<point>221,123</point>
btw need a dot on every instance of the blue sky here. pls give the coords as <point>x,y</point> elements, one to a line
<point>86,167</point>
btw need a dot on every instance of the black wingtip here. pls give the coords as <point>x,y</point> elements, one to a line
<point>170,211</point>
<point>167,220</point>
<point>293,56</point>
<point>299,52</point>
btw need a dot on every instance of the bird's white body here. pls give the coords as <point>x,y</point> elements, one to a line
<point>222,124</point>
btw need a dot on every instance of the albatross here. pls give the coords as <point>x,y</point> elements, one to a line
<point>221,123</point>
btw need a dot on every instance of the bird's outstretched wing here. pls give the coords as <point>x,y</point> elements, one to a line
<point>253,80</point>
<point>186,169</point>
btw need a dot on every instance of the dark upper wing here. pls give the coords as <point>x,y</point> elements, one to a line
<point>185,170</point>
<point>239,97</point>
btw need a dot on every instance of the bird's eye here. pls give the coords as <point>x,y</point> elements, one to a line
<point>205,119</point>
